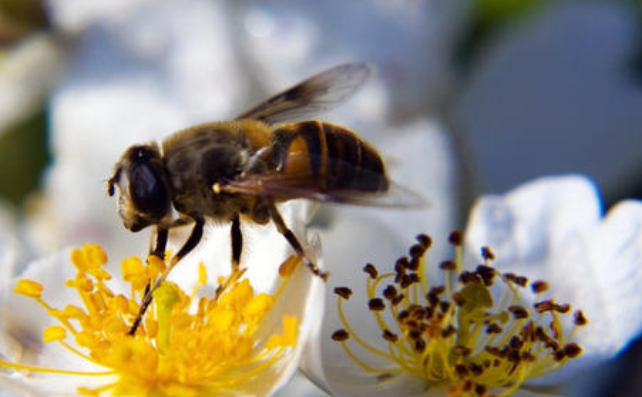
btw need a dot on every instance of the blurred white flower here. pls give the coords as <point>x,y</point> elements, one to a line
<point>28,72</point>
<point>466,330</point>
<point>195,339</point>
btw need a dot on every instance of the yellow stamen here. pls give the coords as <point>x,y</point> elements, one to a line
<point>456,335</point>
<point>180,349</point>
<point>54,333</point>
<point>28,288</point>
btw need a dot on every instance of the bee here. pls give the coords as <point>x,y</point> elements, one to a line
<point>239,170</point>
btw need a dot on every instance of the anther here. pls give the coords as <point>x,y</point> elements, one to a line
<point>397,300</point>
<point>487,274</point>
<point>518,280</point>
<point>343,292</point>
<point>376,304</point>
<point>390,336</point>
<point>448,332</point>
<point>493,329</point>
<point>416,251</point>
<point>579,318</point>
<point>459,299</point>
<point>371,270</point>
<point>467,277</point>
<point>456,238</point>
<point>492,350</point>
<point>340,335</point>
<point>424,240</point>
<point>448,265</point>
<point>406,281</point>
<point>390,292</point>
<point>516,342</point>
<point>487,254</point>
<point>550,306</point>
<point>539,286</point>
<point>401,265</point>
<point>420,345</point>
<point>519,312</point>
<point>572,350</point>
<point>414,264</point>
<point>480,390</point>
<point>461,371</point>
<point>462,350</point>
<point>563,309</point>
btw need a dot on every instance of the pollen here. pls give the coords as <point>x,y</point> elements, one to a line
<point>471,333</point>
<point>186,346</point>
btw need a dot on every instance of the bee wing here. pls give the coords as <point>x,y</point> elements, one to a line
<point>315,95</point>
<point>300,186</point>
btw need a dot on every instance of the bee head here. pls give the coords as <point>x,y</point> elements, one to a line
<point>143,191</point>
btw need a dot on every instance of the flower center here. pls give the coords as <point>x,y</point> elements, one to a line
<point>185,346</point>
<point>457,335</point>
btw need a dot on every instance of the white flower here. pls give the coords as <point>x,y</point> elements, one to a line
<point>194,340</point>
<point>554,229</point>
<point>27,74</point>
<point>520,319</point>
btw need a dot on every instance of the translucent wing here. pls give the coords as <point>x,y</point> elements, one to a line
<point>368,189</point>
<point>313,96</point>
<point>396,196</point>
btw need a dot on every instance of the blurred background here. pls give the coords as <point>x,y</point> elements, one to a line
<point>502,91</point>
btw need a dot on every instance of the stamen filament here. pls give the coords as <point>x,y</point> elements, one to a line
<point>455,334</point>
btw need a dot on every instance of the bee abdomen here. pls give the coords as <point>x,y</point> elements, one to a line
<point>334,155</point>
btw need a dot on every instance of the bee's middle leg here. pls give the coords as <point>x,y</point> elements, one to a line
<point>237,242</point>
<point>237,249</point>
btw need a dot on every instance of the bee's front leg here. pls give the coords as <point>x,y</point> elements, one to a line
<point>190,244</point>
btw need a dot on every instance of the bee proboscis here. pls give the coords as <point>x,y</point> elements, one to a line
<point>234,171</point>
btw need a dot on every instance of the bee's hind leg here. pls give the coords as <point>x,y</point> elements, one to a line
<point>294,242</point>
<point>192,241</point>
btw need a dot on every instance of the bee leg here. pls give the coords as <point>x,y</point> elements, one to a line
<point>160,236</point>
<point>161,242</point>
<point>294,242</point>
<point>237,242</point>
<point>237,248</point>
<point>190,244</point>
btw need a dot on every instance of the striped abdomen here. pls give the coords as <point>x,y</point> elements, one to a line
<point>334,157</point>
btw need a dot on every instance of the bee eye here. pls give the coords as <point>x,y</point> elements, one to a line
<point>148,192</point>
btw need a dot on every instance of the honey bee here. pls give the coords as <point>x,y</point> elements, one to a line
<point>233,171</point>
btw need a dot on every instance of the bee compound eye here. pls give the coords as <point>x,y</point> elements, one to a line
<point>148,192</point>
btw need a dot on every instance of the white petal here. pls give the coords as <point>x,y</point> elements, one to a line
<point>302,298</point>
<point>532,222</point>
<point>606,281</point>
<point>23,321</point>
<point>299,386</point>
